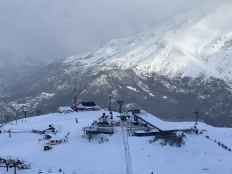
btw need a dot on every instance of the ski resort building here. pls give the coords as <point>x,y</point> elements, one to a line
<point>86,106</point>
<point>104,125</point>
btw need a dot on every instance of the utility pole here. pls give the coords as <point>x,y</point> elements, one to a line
<point>7,166</point>
<point>16,116</point>
<point>15,167</point>
<point>197,116</point>
<point>5,117</point>
<point>120,103</point>
<point>110,103</point>
<point>25,112</point>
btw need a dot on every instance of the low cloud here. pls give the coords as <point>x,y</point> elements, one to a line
<point>49,29</point>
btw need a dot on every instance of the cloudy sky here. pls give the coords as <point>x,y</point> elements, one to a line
<point>48,29</point>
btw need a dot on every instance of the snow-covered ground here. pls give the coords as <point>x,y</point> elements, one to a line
<point>198,156</point>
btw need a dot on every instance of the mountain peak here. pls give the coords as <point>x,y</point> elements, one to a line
<point>191,48</point>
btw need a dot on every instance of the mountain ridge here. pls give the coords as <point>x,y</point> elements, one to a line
<point>191,51</point>
<point>187,63</point>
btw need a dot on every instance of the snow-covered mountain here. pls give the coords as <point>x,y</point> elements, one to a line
<point>180,66</point>
<point>189,46</point>
<point>200,154</point>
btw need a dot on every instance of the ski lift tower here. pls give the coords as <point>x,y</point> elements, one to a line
<point>25,111</point>
<point>197,116</point>
<point>120,103</point>
<point>110,103</point>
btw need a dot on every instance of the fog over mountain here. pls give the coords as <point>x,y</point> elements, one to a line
<point>174,55</point>
<point>52,29</point>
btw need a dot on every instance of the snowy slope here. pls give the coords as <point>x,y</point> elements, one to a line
<point>189,45</point>
<point>198,155</point>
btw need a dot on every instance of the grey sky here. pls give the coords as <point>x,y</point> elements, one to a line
<point>58,28</point>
